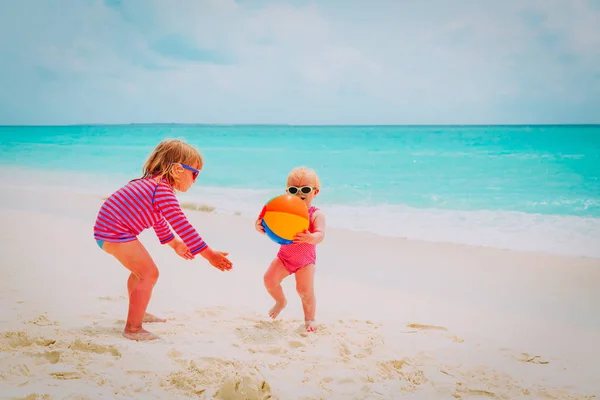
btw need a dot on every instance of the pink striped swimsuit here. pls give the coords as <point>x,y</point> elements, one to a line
<point>297,255</point>
<point>139,205</point>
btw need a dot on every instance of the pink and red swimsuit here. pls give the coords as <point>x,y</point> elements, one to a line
<point>297,255</point>
<point>139,205</point>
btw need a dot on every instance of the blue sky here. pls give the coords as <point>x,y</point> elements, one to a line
<point>300,62</point>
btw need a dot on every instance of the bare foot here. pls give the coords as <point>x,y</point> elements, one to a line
<point>311,326</point>
<point>142,334</point>
<point>276,309</point>
<point>152,318</point>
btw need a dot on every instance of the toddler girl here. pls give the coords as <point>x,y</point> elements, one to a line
<point>299,257</point>
<point>150,202</point>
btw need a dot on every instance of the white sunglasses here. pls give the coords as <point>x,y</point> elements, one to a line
<point>303,189</point>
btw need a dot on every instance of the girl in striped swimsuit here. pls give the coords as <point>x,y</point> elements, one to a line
<point>299,257</point>
<point>150,202</point>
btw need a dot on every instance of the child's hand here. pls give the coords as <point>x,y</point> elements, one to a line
<point>217,259</point>
<point>258,223</point>
<point>180,248</point>
<point>303,237</point>
<point>259,227</point>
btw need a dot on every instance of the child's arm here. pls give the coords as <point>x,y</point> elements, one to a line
<point>320,224</point>
<point>163,232</point>
<point>318,233</point>
<point>166,236</point>
<point>166,202</point>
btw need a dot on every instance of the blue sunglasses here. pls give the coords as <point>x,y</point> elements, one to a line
<point>195,172</point>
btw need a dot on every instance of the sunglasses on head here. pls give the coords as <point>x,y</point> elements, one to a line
<point>195,172</point>
<point>303,189</point>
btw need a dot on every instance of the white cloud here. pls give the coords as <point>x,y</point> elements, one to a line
<point>381,62</point>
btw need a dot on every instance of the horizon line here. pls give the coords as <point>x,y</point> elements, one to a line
<point>290,125</point>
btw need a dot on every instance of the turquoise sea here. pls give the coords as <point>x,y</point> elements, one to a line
<point>518,187</point>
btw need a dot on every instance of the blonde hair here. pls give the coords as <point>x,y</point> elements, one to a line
<point>300,173</point>
<point>169,152</point>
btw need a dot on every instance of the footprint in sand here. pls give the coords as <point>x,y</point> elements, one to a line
<point>263,332</point>
<point>404,369</point>
<point>348,350</point>
<point>485,382</point>
<point>17,339</point>
<point>174,354</point>
<point>345,351</point>
<point>52,357</point>
<point>277,337</point>
<point>222,378</point>
<point>358,340</point>
<point>277,350</point>
<point>295,344</point>
<point>272,337</point>
<point>66,352</point>
<point>13,340</point>
<point>19,370</point>
<point>90,347</point>
<point>250,387</point>
<point>358,350</point>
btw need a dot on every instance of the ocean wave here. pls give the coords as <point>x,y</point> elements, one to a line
<point>554,234</point>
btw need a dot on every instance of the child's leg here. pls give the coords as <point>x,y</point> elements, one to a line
<point>134,256</point>
<point>273,277</point>
<point>131,282</point>
<point>306,290</point>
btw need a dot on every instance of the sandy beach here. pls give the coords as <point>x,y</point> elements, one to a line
<point>398,318</point>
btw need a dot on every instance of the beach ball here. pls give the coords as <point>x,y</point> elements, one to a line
<point>283,217</point>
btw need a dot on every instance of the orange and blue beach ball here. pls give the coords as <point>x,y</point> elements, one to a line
<point>283,217</point>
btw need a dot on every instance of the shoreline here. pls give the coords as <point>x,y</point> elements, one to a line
<point>202,207</point>
<point>510,231</point>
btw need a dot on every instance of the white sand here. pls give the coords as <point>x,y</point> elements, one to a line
<point>399,318</point>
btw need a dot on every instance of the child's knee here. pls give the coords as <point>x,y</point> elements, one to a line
<point>269,280</point>
<point>150,275</point>
<point>305,293</point>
